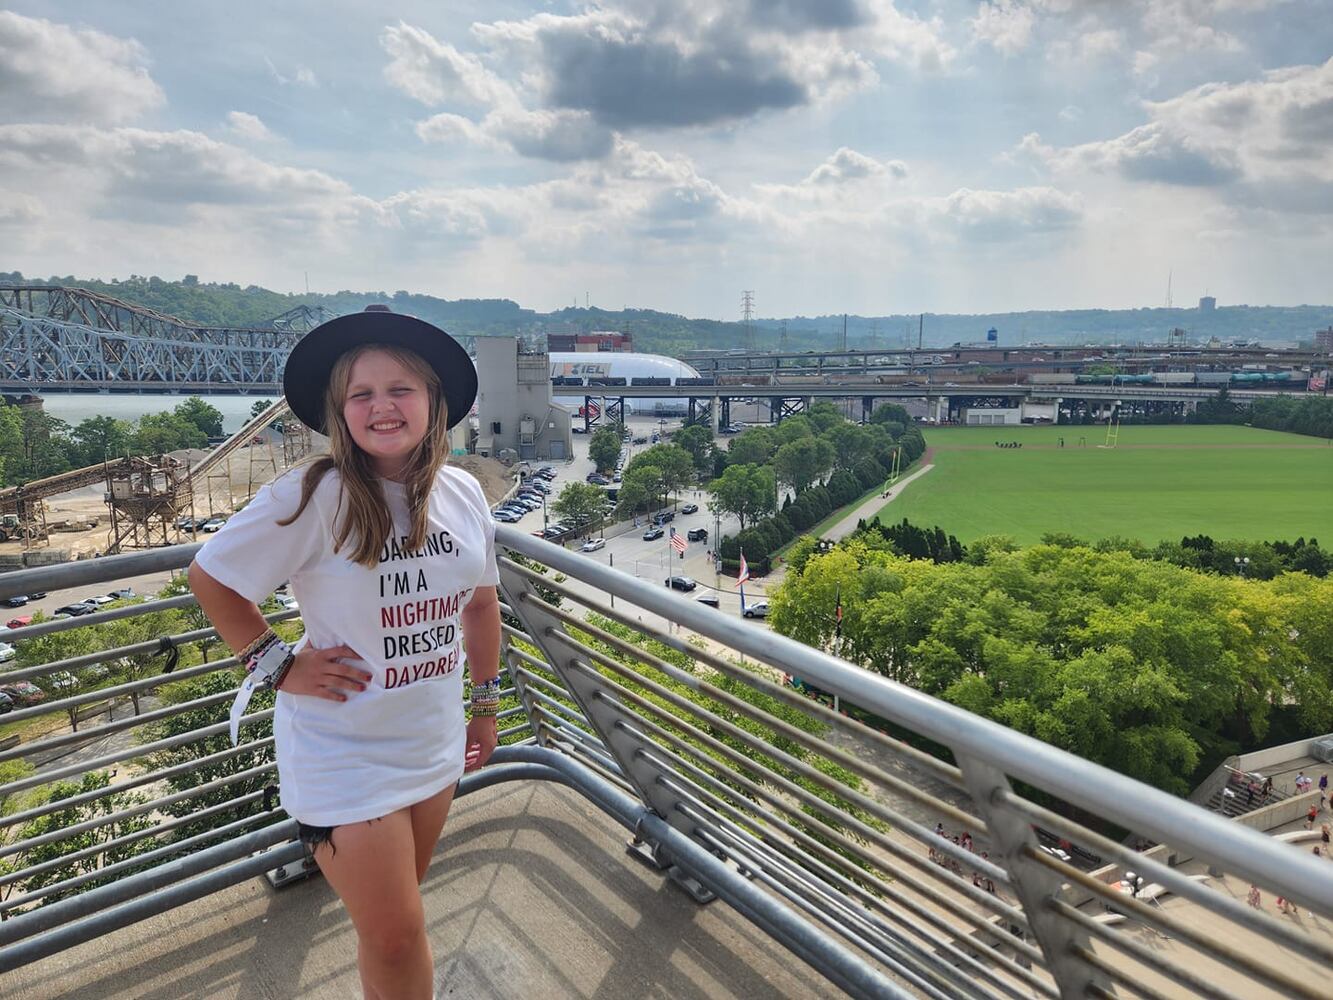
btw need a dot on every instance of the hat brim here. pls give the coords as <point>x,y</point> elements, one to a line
<point>306,375</point>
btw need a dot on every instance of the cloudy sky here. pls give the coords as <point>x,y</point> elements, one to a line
<point>874,156</point>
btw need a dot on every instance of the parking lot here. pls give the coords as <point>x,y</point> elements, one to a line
<point>653,560</point>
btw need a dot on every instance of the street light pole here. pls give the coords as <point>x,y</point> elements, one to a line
<point>1241,564</point>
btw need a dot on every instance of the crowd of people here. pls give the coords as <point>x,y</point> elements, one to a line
<point>948,860</point>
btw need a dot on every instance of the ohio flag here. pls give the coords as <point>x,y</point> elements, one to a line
<point>744,574</point>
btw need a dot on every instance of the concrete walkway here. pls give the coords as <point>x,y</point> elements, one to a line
<point>530,894</point>
<point>875,504</point>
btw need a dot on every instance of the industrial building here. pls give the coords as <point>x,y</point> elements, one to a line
<point>516,416</point>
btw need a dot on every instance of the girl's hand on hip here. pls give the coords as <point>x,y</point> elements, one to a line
<point>481,742</point>
<point>319,674</point>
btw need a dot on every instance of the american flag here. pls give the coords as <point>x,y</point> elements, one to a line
<point>744,574</point>
<point>678,541</point>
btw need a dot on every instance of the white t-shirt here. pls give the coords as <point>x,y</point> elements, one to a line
<point>402,739</point>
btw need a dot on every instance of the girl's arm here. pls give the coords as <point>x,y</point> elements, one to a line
<point>480,619</point>
<point>239,621</point>
<point>481,642</point>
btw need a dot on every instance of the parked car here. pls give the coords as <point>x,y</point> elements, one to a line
<point>546,472</point>
<point>123,594</point>
<point>681,583</point>
<point>578,429</point>
<point>96,672</point>
<point>597,479</point>
<point>640,440</point>
<point>7,652</point>
<point>19,622</point>
<point>593,544</point>
<point>697,535</point>
<point>507,516</point>
<point>652,534</point>
<point>23,693</point>
<point>6,704</point>
<point>36,595</point>
<point>62,681</point>
<point>188,523</point>
<point>709,599</point>
<point>75,609</point>
<point>759,609</point>
<point>690,508</point>
<point>663,516</point>
<point>552,532</point>
<point>17,601</point>
<point>214,524</point>
<point>97,600</point>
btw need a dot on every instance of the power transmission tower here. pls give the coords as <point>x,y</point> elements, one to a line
<point>747,316</point>
<point>782,336</point>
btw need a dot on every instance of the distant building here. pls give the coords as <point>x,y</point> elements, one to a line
<point>1323,341</point>
<point>609,341</point>
<point>1208,303</point>
<point>516,416</point>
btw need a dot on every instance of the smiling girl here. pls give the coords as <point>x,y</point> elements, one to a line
<point>391,555</point>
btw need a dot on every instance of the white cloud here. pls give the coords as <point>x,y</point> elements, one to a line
<point>1007,215</point>
<point>248,126</point>
<point>560,136</point>
<point>302,76</point>
<point>50,70</point>
<point>1005,25</point>
<point>1268,134</point>
<point>849,165</point>
<point>435,73</point>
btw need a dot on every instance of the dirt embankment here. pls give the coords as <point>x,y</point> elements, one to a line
<point>226,490</point>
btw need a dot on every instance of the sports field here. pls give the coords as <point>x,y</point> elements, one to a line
<point>1161,482</point>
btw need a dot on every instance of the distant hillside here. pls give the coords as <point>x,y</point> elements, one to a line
<point>670,334</point>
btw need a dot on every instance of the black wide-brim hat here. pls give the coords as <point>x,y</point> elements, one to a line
<point>306,376</point>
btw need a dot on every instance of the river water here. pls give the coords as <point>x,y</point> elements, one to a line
<point>75,407</point>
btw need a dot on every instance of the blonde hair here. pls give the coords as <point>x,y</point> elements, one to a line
<point>366,523</point>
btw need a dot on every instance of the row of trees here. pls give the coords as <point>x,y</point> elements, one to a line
<point>798,454</point>
<point>1150,668</point>
<point>34,444</point>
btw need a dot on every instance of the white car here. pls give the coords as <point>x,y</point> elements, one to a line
<point>7,652</point>
<point>288,602</point>
<point>757,610</point>
<point>593,544</point>
<point>214,524</point>
<point>99,600</point>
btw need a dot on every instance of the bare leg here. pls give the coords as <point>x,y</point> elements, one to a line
<point>373,870</point>
<point>428,818</point>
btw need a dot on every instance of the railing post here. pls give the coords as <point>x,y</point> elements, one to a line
<point>596,700</point>
<point>1035,884</point>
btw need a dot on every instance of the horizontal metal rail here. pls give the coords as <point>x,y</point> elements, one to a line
<point>799,827</point>
<point>1244,852</point>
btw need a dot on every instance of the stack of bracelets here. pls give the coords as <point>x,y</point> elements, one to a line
<point>486,697</point>
<point>268,659</point>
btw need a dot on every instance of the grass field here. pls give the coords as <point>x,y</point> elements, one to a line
<point>1158,483</point>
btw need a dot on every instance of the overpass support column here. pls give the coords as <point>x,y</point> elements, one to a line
<point>867,408</point>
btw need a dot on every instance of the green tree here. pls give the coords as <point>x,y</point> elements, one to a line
<point>582,503</point>
<point>748,491</point>
<point>604,448</point>
<point>697,440</point>
<point>259,406</point>
<point>102,438</point>
<point>754,446</point>
<point>803,461</point>
<point>53,822</point>
<point>159,433</point>
<point>674,467</point>
<point>203,415</point>
<point>45,444</point>
<point>850,442</point>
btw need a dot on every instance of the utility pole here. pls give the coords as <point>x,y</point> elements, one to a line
<point>747,317</point>
<point>844,332</point>
<point>920,330</point>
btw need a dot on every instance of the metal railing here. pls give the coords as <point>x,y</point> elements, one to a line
<point>822,826</point>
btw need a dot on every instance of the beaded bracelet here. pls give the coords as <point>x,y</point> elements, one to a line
<point>486,697</point>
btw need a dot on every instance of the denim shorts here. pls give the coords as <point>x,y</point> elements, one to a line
<point>313,836</point>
